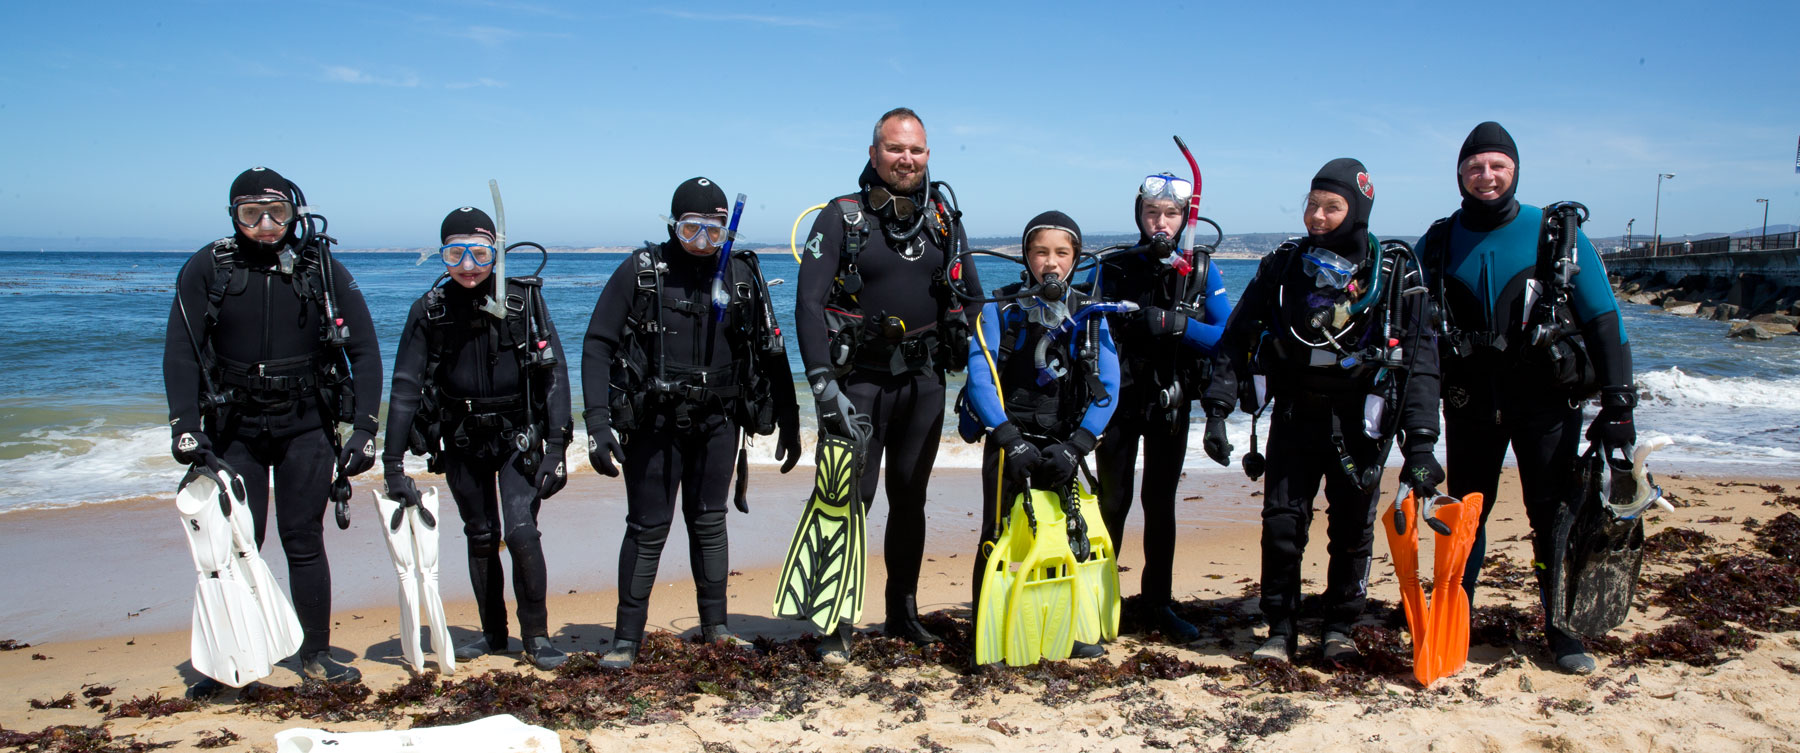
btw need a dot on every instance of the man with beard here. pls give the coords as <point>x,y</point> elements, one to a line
<point>879,325</point>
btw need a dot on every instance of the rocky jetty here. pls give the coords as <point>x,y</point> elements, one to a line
<point>1758,309</point>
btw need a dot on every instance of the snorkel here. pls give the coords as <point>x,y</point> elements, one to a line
<point>721,297</point>
<point>495,305</point>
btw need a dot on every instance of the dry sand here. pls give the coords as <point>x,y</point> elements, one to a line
<point>1506,699</point>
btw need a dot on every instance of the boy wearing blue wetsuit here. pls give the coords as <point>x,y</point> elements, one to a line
<point>1483,258</point>
<point>1053,412</point>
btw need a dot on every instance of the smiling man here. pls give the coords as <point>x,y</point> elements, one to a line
<point>1483,259</point>
<point>878,327</point>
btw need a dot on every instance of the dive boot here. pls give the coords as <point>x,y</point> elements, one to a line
<point>903,623</point>
<point>480,647</point>
<point>205,690</point>
<point>622,655</point>
<point>542,655</point>
<point>1087,651</point>
<point>1339,647</point>
<point>834,649</point>
<point>1571,655</point>
<point>1174,628</point>
<point>1276,648</point>
<point>721,634</point>
<point>319,665</point>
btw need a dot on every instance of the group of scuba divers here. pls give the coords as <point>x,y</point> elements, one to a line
<point>1501,314</point>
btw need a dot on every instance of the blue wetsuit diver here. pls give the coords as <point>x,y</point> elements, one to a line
<point>1052,415</point>
<point>1482,258</point>
<point>1157,384</point>
<point>1326,324</point>
<point>487,388</point>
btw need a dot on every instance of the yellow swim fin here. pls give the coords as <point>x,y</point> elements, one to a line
<point>1040,611</point>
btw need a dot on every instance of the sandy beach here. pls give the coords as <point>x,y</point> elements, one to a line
<point>109,627</point>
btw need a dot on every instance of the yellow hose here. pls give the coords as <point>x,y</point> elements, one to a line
<point>1000,475</point>
<point>794,235</point>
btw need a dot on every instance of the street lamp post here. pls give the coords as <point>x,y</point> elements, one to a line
<point>1762,241</point>
<point>1628,224</point>
<point>1656,218</point>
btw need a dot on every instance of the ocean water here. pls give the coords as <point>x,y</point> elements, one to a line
<point>83,415</point>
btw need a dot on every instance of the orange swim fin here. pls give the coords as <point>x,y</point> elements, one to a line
<point>1448,632</point>
<point>1403,541</point>
<point>1440,628</point>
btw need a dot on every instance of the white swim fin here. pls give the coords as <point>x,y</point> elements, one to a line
<point>424,522</point>
<point>412,543</point>
<point>496,734</point>
<point>230,639</point>
<point>283,625</point>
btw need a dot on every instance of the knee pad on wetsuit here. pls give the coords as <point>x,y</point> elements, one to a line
<point>709,534</point>
<point>483,544</point>
<point>524,537</point>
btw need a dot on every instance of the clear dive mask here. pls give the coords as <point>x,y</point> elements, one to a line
<point>249,214</point>
<point>1166,187</point>
<point>1329,270</point>
<point>453,254</point>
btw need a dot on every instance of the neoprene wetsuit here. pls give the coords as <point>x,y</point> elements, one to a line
<point>683,438</point>
<point>1491,400</point>
<point>1148,365</point>
<point>481,385</point>
<point>1047,413</point>
<point>1318,423</point>
<point>266,346</point>
<point>898,281</point>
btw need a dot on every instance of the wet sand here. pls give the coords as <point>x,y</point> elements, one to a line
<point>1498,703</point>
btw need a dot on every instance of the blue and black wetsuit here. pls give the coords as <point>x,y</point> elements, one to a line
<point>1150,366</point>
<point>1080,395</point>
<point>1491,399</point>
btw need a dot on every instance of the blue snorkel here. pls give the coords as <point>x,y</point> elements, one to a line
<point>721,298</point>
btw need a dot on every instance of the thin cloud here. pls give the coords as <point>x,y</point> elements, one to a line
<point>344,74</point>
<point>479,83</point>
<point>787,21</point>
<point>488,36</point>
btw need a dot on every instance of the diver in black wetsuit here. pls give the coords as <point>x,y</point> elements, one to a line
<point>878,326</point>
<point>1351,364</point>
<point>1163,355</point>
<point>1482,258</point>
<point>469,390</point>
<point>253,383</point>
<point>680,386</point>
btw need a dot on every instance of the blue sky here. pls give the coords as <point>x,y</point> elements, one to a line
<point>130,119</point>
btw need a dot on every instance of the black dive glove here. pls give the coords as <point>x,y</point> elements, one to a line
<point>787,441</point>
<point>1612,428</point>
<point>603,448</point>
<point>192,448</point>
<point>400,487</point>
<point>552,471</point>
<point>1161,321</point>
<point>358,454</point>
<point>1421,470</point>
<point>1217,445</point>
<point>832,405</point>
<point>1056,466</point>
<point>1019,455</point>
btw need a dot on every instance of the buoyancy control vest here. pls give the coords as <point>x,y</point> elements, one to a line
<point>644,380</point>
<point>1047,382</point>
<point>486,425</point>
<point>879,342</point>
<point>1547,340</point>
<point>277,386</point>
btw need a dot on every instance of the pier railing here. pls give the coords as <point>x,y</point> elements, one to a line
<point>1722,244</point>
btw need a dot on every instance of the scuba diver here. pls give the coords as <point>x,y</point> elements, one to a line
<point>270,348</point>
<point>1043,376</point>
<point>1524,347</point>
<point>1335,326</point>
<point>879,325</point>
<point>683,357</point>
<point>1164,356</point>
<point>486,398</point>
